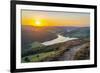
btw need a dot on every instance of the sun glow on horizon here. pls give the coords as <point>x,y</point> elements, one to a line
<point>38,23</point>
<point>42,18</point>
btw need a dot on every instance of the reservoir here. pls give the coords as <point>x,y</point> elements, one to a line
<point>59,39</point>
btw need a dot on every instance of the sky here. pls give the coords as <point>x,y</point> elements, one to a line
<point>51,18</point>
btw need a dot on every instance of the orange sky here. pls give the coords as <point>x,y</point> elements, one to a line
<point>47,18</point>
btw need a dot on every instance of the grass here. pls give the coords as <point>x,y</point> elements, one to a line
<point>49,53</point>
<point>42,56</point>
<point>38,57</point>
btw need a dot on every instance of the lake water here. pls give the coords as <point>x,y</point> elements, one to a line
<point>58,40</point>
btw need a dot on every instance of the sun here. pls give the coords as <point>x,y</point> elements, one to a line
<point>38,23</point>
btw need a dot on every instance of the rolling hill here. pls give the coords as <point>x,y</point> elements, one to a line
<point>83,32</point>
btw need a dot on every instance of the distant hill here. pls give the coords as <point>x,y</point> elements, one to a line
<point>32,34</point>
<point>83,32</point>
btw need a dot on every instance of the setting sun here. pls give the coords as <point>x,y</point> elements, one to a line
<point>38,23</point>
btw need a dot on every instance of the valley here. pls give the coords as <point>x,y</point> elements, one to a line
<point>55,44</point>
